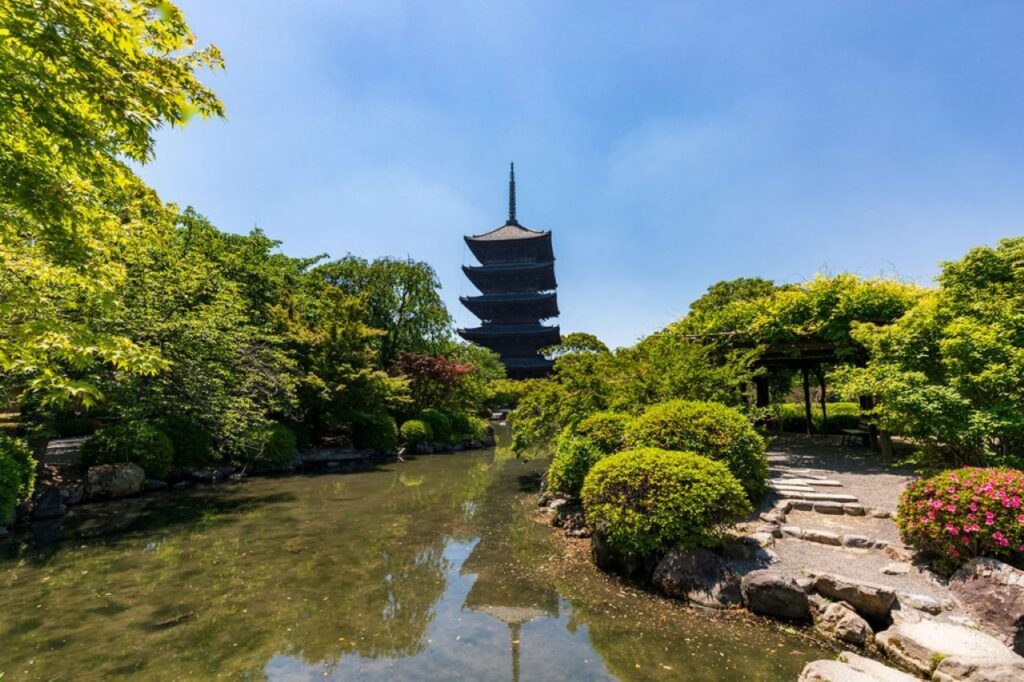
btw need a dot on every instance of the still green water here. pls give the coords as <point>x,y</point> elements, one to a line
<point>434,569</point>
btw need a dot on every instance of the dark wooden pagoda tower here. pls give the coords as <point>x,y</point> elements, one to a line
<point>516,278</point>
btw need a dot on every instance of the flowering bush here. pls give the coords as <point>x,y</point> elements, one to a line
<point>964,513</point>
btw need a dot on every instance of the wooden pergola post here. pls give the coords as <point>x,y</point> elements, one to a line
<point>824,411</point>
<point>763,396</point>
<point>807,398</point>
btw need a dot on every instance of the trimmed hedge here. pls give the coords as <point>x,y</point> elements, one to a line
<point>416,431</point>
<point>461,425</point>
<point>573,458</point>
<point>440,424</point>
<point>277,449</point>
<point>377,432</point>
<point>17,475</point>
<point>840,416</point>
<point>709,429</point>
<point>965,513</point>
<point>649,501</point>
<point>607,430</point>
<point>138,442</point>
<point>192,444</point>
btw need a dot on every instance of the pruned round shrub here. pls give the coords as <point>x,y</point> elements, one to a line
<point>607,430</point>
<point>274,448</point>
<point>573,458</point>
<point>416,431</point>
<point>709,429</point>
<point>192,444</point>
<point>648,501</point>
<point>17,475</point>
<point>960,514</point>
<point>138,442</point>
<point>440,424</point>
<point>376,432</point>
<point>461,426</point>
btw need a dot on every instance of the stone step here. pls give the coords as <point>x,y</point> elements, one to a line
<point>823,483</point>
<point>788,484</point>
<point>822,497</point>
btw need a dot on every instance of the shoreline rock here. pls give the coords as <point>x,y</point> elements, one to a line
<point>992,592</point>
<point>700,577</point>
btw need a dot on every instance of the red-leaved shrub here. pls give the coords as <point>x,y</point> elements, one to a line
<point>963,513</point>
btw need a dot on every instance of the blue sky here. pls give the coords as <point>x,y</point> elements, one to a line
<point>667,145</point>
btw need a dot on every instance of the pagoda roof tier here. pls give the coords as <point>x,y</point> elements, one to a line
<point>511,243</point>
<point>513,339</point>
<point>518,306</point>
<point>529,367</point>
<point>512,277</point>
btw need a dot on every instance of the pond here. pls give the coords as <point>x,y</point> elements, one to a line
<point>434,568</point>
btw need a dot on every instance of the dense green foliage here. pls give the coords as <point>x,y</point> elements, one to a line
<point>589,378</point>
<point>17,475</point>
<point>648,501</point>
<point>377,432</point>
<point>138,442</point>
<point>793,417</point>
<point>964,513</point>
<point>950,372</point>
<point>750,312</point>
<point>191,443</point>
<point>440,424</point>
<point>607,430</point>
<point>83,87</point>
<point>574,456</point>
<point>710,430</point>
<point>415,431</point>
<point>272,448</point>
<point>114,303</point>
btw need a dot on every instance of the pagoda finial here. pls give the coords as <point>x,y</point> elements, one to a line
<point>512,194</point>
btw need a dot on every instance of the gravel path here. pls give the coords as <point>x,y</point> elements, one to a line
<point>862,472</point>
<point>876,485</point>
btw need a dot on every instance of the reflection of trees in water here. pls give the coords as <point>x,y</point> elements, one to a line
<point>406,596</point>
<point>321,571</point>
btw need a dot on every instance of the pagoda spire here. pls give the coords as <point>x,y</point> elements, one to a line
<point>512,194</point>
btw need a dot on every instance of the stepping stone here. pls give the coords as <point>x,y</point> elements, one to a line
<point>792,489</point>
<point>825,537</point>
<point>828,507</point>
<point>817,497</point>
<point>809,482</point>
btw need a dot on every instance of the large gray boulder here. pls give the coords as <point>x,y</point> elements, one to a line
<point>776,595</point>
<point>951,652</point>
<point>871,600</point>
<point>852,668</point>
<point>115,480</point>
<point>839,620</point>
<point>699,577</point>
<point>993,594</point>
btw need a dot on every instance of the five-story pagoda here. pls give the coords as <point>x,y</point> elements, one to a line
<point>516,278</point>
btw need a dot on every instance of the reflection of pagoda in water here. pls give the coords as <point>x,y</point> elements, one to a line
<point>514,597</point>
<point>516,277</point>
